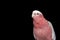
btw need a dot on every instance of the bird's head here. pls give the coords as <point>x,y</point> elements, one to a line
<point>38,18</point>
<point>37,15</point>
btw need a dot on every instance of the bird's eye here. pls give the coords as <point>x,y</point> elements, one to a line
<point>34,13</point>
<point>37,13</point>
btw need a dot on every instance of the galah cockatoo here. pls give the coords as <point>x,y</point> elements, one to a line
<point>43,29</point>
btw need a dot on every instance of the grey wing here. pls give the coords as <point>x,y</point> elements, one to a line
<point>34,35</point>
<point>53,32</point>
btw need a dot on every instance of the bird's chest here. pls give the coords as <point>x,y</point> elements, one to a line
<point>41,33</point>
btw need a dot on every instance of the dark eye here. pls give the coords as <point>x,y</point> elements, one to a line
<point>37,13</point>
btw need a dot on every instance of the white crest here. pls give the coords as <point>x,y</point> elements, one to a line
<point>35,12</point>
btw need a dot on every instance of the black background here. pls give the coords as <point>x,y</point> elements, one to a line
<point>49,10</point>
<point>18,20</point>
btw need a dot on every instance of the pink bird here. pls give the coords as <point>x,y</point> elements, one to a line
<point>42,28</point>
